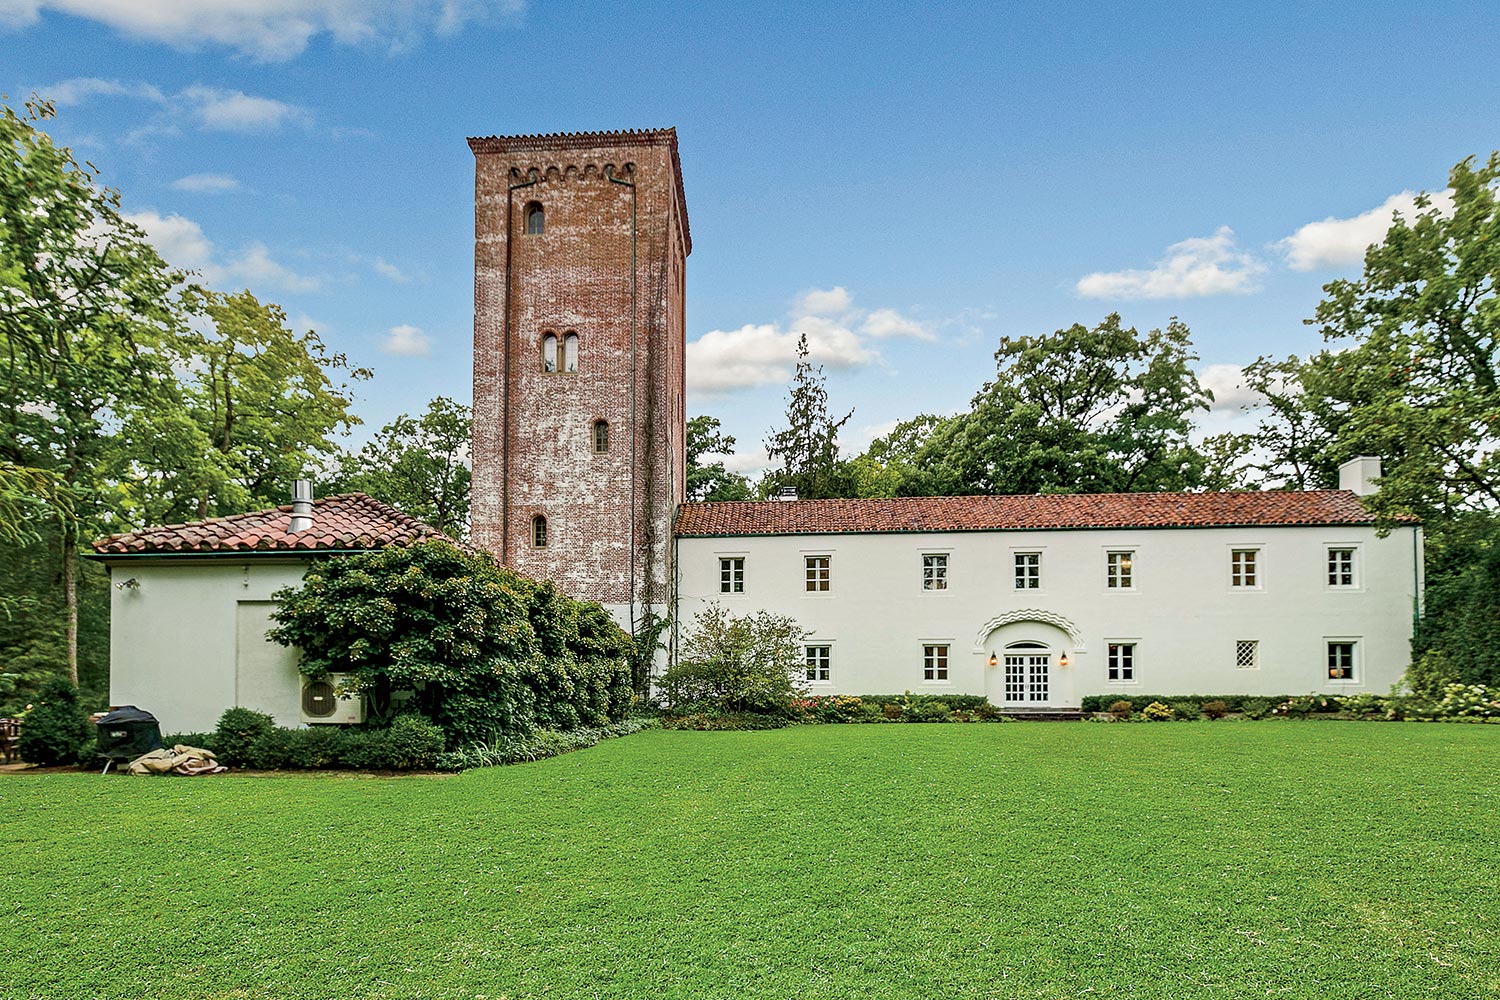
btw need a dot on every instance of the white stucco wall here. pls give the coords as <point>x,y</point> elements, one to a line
<point>1182,613</point>
<point>173,648</point>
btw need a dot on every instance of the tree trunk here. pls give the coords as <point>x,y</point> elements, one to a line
<point>70,600</point>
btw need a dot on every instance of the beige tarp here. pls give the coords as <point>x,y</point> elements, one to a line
<point>181,759</point>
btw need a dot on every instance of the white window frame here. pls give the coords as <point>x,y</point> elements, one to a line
<point>827,666</point>
<point>730,557</point>
<point>1356,658</point>
<point>1257,568</point>
<point>1355,568</point>
<point>1134,643</point>
<point>1113,572</point>
<point>1016,555</point>
<point>947,646</point>
<point>1254,663</point>
<point>817,554</point>
<point>943,579</point>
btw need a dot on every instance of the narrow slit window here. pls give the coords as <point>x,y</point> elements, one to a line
<point>570,353</point>
<point>549,353</point>
<point>539,531</point>
<point>535,219</point>
<point>601,436</point>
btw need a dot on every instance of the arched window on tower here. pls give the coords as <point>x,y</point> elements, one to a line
<point>570,353</point>
<point>549,353</point>
<point>601,436</point>
<point>539,531</point>
<point>535,218</point>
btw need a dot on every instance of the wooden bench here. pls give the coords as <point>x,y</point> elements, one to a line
<point>10,738</point>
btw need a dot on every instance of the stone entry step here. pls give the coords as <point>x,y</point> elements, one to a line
<point>1043,714</point>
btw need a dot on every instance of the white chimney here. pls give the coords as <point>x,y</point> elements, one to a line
<point>787,493</point>
<point>301,506</point>
<point>1359,475</point>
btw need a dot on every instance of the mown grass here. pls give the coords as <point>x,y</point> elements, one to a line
<point>1275,859</point>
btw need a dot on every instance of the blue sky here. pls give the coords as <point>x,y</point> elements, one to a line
<point>906,184</point>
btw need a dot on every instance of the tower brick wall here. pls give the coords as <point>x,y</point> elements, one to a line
<point>594,267</point>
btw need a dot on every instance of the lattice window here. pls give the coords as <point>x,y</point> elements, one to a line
<point>935,662</point>
<point>1028,570</point>
<point>817,659</point>
<point>732,575</point>
<point>1247,654</point>
<point>818,573</point>
<point>1120,663</point>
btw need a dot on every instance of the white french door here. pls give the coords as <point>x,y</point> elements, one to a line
<point>1026,676</point>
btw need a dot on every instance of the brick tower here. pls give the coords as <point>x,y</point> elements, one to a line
<point>580,247</point>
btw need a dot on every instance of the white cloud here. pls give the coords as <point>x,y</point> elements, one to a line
<point>1205,265</point>
<point>406,341</point>
<point>390,271</point>
<point>884,323</point>
<point>206,183</point>
<point>747,463</point>
<point>268,30</point>
<point>182,243</point>
<point>824,301</point>
<point>1333,242</point>
<point>220,110</point>
<point>765,353</point>
<point>77,90</point>
<point>1227,383</point>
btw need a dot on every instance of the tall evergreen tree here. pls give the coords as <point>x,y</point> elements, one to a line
<point>808,447</point>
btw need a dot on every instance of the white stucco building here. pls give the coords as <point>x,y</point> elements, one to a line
<point>191,604</point>
<point>1037,601</point>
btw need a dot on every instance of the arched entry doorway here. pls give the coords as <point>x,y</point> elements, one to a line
<point>1028,655</point>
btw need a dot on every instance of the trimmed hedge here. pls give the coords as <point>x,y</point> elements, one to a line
<point>1138,702</point>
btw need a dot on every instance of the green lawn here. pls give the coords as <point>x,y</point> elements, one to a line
<point>1272,859</point>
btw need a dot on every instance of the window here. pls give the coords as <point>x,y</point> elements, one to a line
<point>1120,570</point>
<point>601,436</point>
<point>570,353</point>
<point>935,662</point>
<point>1242,568</point>
<point>1121,661</point>
<point>935,572</point>
<point>817,659</point>
<point>549,353</point>
<point>535,218</point>
<point>1341,660</point>
<point>818,575</point>
<point>1247,654</point>
<point>732,575</point>
<point>1340,567</point>
<point>1028,570</point>
<point>539,531</point>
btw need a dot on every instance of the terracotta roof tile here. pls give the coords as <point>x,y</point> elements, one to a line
<point>1019,513</point>
<point>343,522</point>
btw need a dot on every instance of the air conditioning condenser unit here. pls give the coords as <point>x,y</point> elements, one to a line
<point>322,704</point>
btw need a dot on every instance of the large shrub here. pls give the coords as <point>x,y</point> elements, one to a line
<point>236,735</point>
<point>482,651</point>
<point>56,730</point>
<point>728,663</point>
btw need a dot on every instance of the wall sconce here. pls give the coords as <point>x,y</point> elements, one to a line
<point>1063,661</point>
<point>131,584</point>
<point>994,660</point>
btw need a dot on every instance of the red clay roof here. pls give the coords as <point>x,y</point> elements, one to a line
<point>1018,513</point>
<point>343,522</point>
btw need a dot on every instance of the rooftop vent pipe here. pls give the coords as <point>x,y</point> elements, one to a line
<point>787,493</point>
<point>301,506</point>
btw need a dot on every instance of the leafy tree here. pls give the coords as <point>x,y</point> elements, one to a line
<point>896,465</point>
<point>710,480</point>
<point>89,326</point>
<point>56,730</point>
<point>1461,603</point>
<point>1080,410</point>
<point>1292,446</point>
<point>808,447</point>
<point>748,663</point>
<point>418,465</point>
<point>477,648</point>
<point>1412,373</point>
